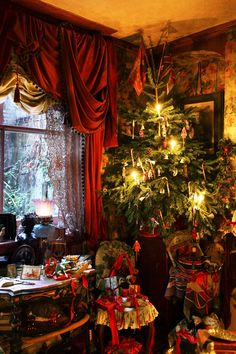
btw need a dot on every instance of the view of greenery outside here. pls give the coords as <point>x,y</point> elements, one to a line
<point>25,162</point>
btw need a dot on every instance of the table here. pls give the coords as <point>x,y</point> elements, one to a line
<point>130,317</point>
<point>19,305</point>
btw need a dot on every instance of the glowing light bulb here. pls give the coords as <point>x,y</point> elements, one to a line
<point>158,108</point>
<point>198,198</point>
<point>173,144</point>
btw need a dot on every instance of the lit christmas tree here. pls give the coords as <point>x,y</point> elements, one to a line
<point>161,172</point>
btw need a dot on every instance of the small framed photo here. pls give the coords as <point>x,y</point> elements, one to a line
<point>31,272</point>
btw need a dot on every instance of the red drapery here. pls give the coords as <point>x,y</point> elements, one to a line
<point>78,68</point>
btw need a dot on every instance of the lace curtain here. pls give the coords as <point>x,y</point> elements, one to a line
<point>66,156</point>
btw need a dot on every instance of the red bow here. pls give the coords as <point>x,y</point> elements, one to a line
<point>184,334</point>
<point>118,263</point>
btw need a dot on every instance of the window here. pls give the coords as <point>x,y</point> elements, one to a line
<point>24,159</point>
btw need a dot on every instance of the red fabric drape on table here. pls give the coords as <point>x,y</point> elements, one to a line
<point>76,67</point>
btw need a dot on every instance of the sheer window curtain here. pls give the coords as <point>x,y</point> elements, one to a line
<point>66,156</point>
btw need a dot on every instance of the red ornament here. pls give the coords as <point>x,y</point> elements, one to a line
<point>226,150</point>
<point>145,176</point>
<point>194,233</point>
<point>141,133</point>
<point>165,143</point>
<point>136,248</point>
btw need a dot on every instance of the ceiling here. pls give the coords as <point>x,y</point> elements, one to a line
<point>125,19</point>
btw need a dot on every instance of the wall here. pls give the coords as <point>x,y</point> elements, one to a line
<point>211,67</point>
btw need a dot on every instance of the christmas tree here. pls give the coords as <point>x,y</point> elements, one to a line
<point>161,172</point>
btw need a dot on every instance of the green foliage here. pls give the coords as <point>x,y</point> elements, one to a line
<point>168,178</point>
<point>171,182</point>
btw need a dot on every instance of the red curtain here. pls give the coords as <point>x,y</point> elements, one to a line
<point>78,68</point>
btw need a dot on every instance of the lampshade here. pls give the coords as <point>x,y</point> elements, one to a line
<point>43,207</point>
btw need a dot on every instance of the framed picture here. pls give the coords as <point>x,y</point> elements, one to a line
<point>207,118</point>
<point>31,272</point>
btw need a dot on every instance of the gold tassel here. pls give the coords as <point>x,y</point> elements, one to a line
<point>17,94</point>
<point>17,90</point>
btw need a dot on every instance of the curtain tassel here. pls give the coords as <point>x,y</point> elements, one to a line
<point>17,90</point>
<point>17,94</point>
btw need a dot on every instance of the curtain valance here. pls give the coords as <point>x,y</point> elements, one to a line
<point>77,68</point>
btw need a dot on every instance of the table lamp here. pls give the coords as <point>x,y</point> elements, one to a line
<point>44,210</point>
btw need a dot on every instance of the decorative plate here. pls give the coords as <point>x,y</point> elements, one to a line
<point>107,254</point>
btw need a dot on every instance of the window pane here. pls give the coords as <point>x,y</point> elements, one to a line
<point>25,171</point>
<point>11,114</point>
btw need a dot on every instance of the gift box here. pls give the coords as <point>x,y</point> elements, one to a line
<point>111,285</point>
<point>134,289</point>
<point>126,346</point>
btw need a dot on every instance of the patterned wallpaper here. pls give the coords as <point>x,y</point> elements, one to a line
<point>230,88</point>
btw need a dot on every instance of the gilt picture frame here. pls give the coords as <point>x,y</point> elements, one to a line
<point>207,118</point>
<point>30,272</point>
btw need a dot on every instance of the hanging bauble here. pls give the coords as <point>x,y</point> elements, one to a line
<point>145,176</point>
<point>184,133</point>
<point>185,170</point>
<point>194,233</point>
<point>175,171</point>
<point>149,151</point>
<point>123,171</point>
<point>165,143</point>
<point>163,130</point>
<point>151,173</point>
<point>226,150</point>
<point>141,133</point>
<point>162,190</point>
<point>136,248</point>
<point>191,133</point>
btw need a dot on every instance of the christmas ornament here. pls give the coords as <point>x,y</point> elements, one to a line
<point>185,170</point>
<point>151,173</point>
<point>165,143</point>
<point>141,132</point>
<point>133,125</point>
<point>194,233</point>
<point>191,133</point>
<point>226,150</point>
<point>145,176</point>
<point>175,172</point>
<point>184,134</point>
<point>136,248</point>
<point>149,151</point>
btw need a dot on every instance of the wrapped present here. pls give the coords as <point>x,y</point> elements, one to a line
<point>110,284</point>
<point>126,346</point>
<point>134,289</point>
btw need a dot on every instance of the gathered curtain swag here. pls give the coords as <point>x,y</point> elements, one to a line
<point>77,68</point>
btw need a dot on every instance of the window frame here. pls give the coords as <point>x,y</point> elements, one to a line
<point>3,130</point>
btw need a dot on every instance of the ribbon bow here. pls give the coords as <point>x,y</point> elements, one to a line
<point>118,263</point>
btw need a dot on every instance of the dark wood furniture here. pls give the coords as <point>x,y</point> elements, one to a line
<point>20,302</point>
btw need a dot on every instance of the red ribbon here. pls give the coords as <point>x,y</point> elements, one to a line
<point>72,312</point>
<point>84,282</point>
<point>184,334</point>
<point>118,263</point>
<point>50,266</point>
<point>110,306</point>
